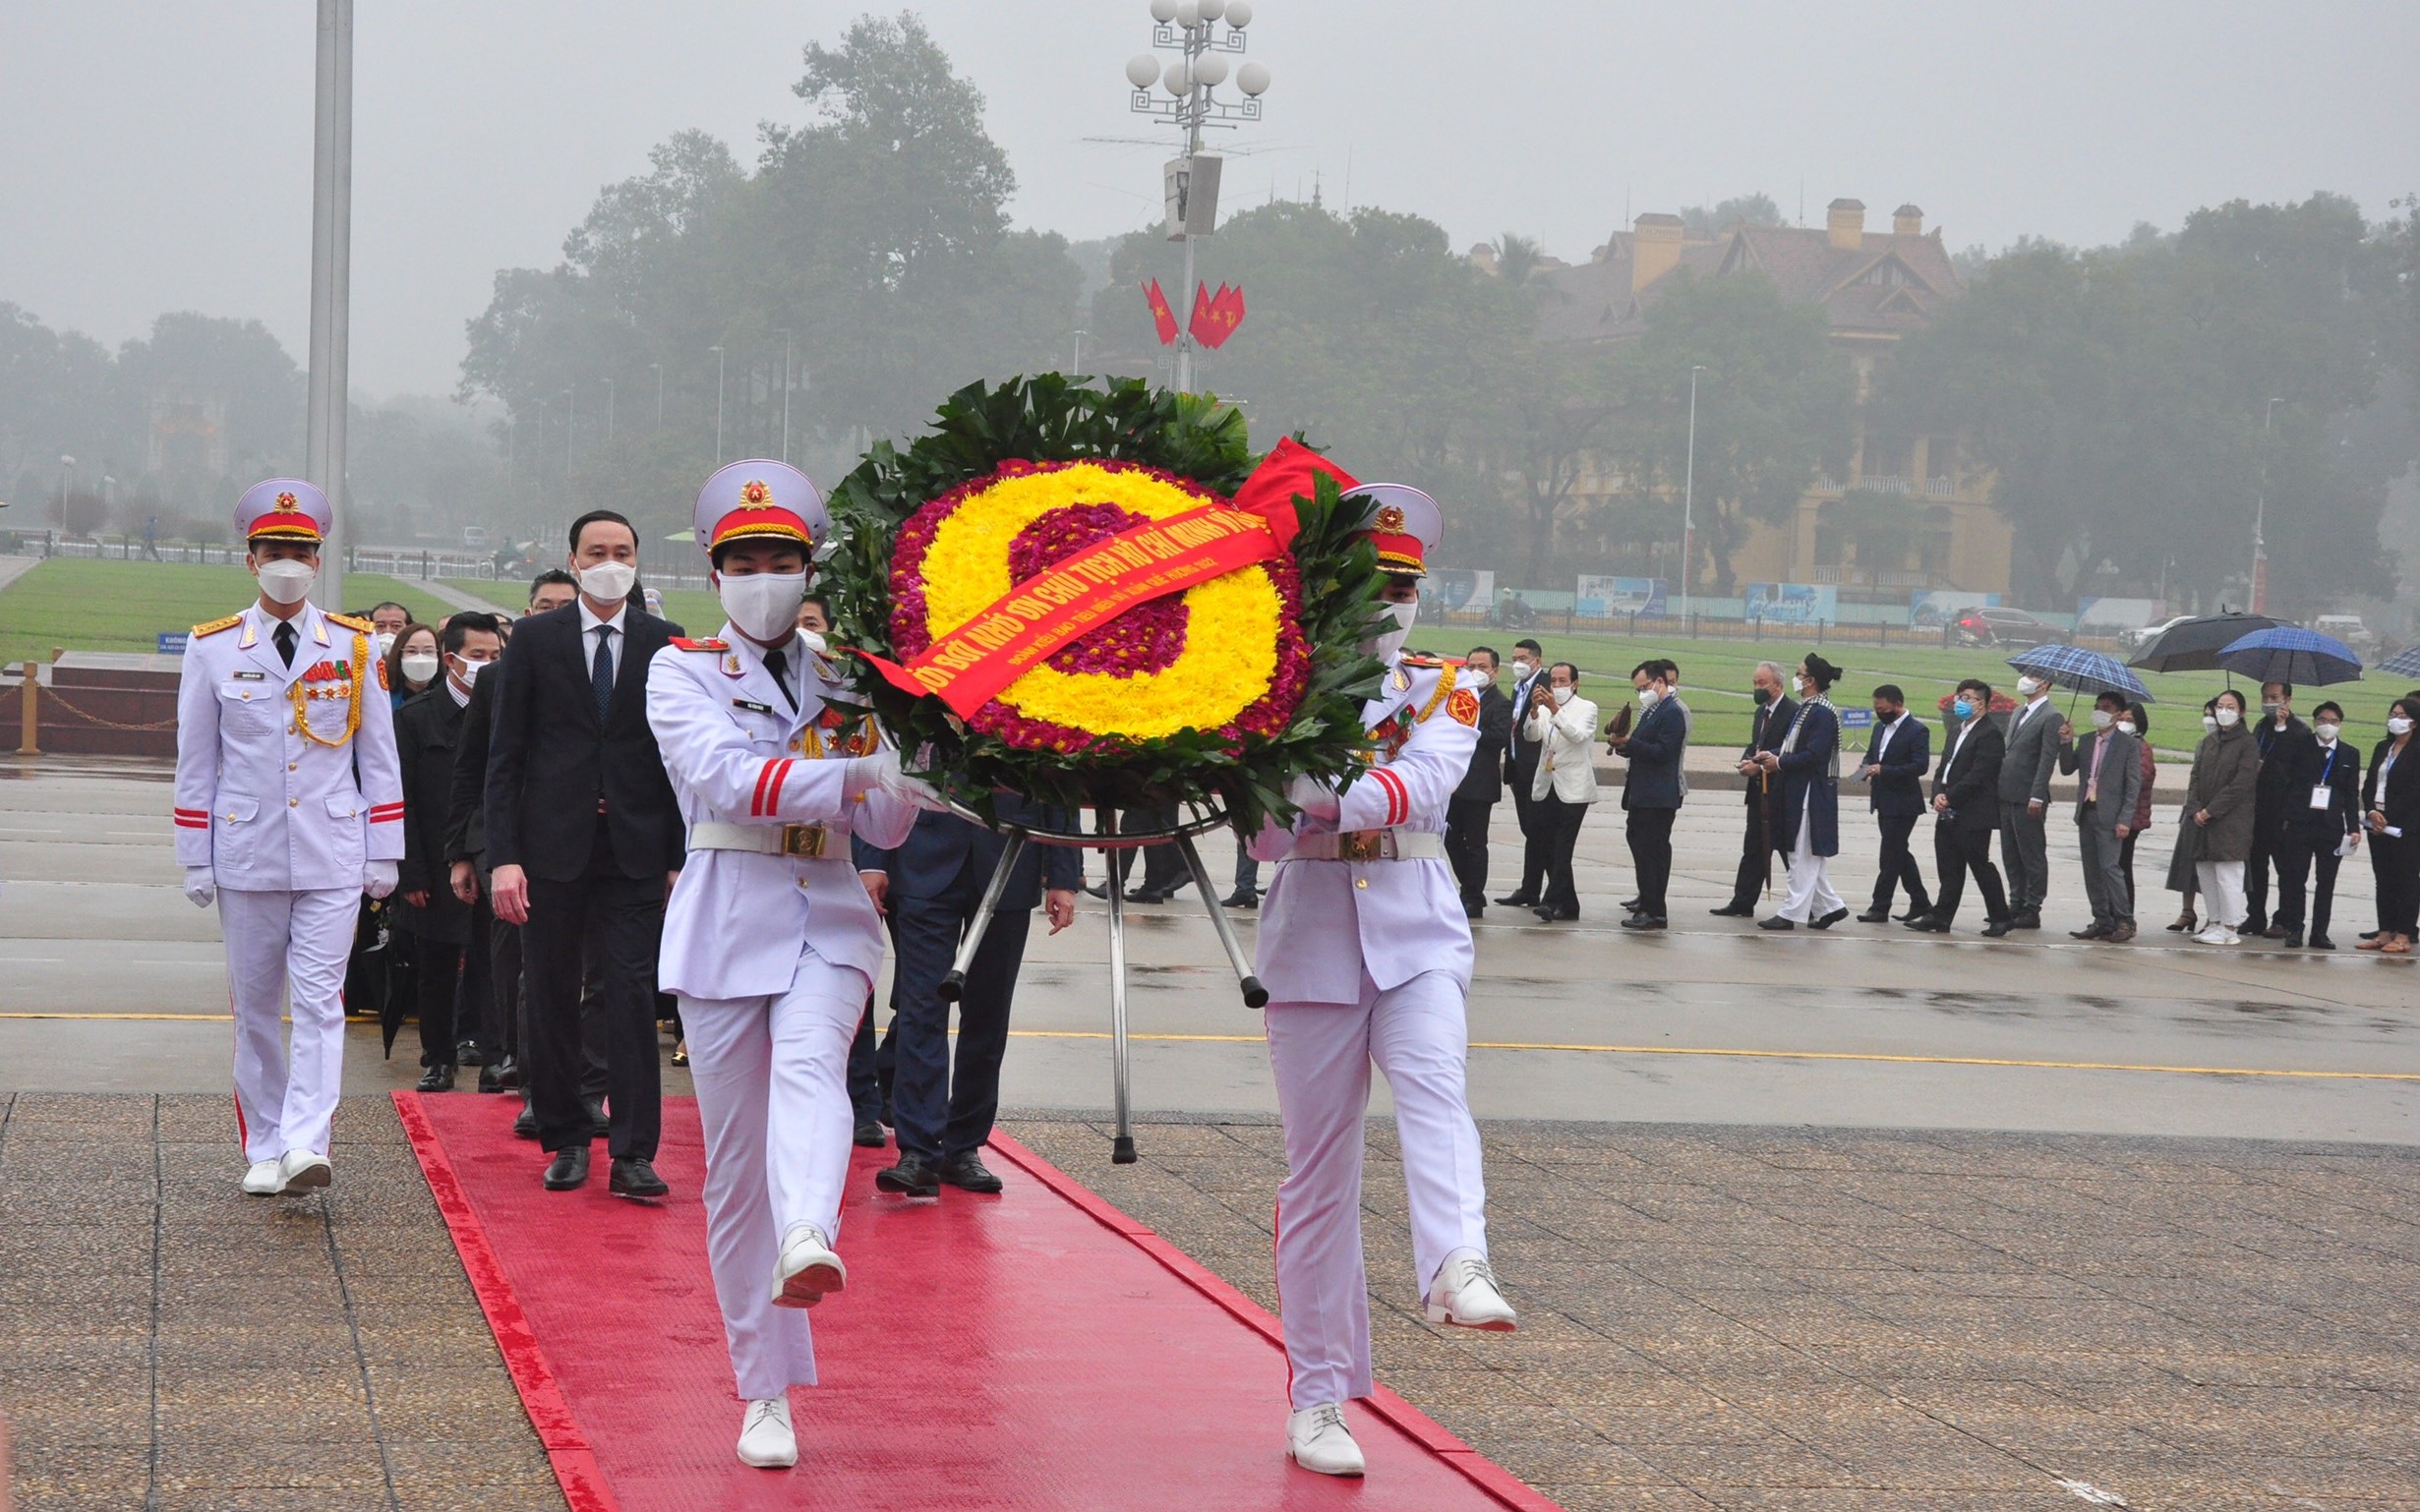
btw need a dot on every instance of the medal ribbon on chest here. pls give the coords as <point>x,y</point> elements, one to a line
<point>331,682</point>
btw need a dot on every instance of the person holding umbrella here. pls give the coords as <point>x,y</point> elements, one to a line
<point>2390,805</point>
<point>2219,809</point>
<point>2108,774</point>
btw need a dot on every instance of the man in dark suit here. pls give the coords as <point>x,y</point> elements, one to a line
<point>2284,742</point>
<point>1652,793</point>
<point>1966,806</point>
<point>428,730</point>
<point>584,836</point>
<point>2032,755</point>
<point>2313,835</point>
<point>1473,804</point>
<point>1775,710</point>
<point>930,885</point>
<point>1521,756</point>
<point>1896,758</point>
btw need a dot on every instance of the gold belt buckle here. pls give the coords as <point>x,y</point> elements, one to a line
<point>1360,845</point>
<point>804,842</point>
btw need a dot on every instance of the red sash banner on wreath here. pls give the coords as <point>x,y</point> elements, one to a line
<point>975,662</point>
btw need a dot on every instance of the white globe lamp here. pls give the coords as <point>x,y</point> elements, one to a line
<point>1141,70</point>
<point>1253,79</point>
<point>1239,14</point>
<point>1163,11</point>
<point>1178,81</point>
<point>1209,70</point>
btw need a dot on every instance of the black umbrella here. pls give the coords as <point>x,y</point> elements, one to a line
<point>2193,646</point>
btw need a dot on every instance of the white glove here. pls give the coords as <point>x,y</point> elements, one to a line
<point>201,885</point>
<point>881,770</point>
<point>1312,796</point>
<point>378,878</point>
<point>916,792</point>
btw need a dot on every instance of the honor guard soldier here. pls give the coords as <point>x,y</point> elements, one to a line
<point>289,807</point>
<point>770,941</point>
<point>1366,953</point>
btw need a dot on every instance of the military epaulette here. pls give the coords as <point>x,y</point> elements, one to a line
<point>706,643</point>
<point>360,626</point>
<point>216,625</point>
<point>1432,660</point>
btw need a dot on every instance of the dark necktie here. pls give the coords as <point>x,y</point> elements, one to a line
<point>777,662</point>
<point>284,637</point>
<point>601,671</point>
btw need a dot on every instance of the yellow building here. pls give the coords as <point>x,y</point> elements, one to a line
<point>1909,515</point>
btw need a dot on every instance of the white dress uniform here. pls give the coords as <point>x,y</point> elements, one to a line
<point>770,941</point>
<point>289,794</point>
<point>1366,953</point>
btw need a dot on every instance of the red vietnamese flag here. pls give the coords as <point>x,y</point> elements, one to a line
<point>1200,325</point>
<point>1161,316</point>
<point>1229,308</point>
<point>1290,469</point>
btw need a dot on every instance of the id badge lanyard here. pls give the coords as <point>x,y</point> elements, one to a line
<point>2322,797</point>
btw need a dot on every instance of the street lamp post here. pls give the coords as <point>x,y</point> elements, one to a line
<point>571,424</point>
<point>67,481</point>
<point>609,412</point>
<point>1688,502</point>
<point>718,404</point>
<point>1079,363</point>
<point>2259,521</point>
<point>1191,29</point>
<point>658,367</point>
<point>785,395</point>
<point>331,280</point>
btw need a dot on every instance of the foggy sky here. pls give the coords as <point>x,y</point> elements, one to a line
<point>157,158</point>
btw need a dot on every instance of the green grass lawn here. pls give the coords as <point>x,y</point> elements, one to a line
<point>88,605</point>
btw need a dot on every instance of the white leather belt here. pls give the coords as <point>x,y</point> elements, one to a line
<point>1370,846</point>
<point>802,841</point>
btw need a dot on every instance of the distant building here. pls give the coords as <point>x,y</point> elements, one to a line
<point>1877,287</point>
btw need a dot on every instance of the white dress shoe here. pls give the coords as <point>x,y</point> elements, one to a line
<point>807,1270</point>
<point>1317,1440</point>
<point>765,1438</point>
<point>1464,1295</point>
<point>262,1179</point>
<point>302,1171</point>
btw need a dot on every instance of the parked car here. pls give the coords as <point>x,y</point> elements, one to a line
<point>2003,627</point>
<point>2349,629</point>
<point>2131,641</point>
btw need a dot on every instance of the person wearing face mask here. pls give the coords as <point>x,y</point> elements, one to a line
<point>1897,755</point>
<point>428,738</point>
<point>412,664</point>
<point>2024,800</point>
<point>2323,825</point>
<point>772,942</point>
<point>1965,810</point>
<point>585,836</point>
<point>1807,813</point>
<point>1522,757</point>
<point>1776,711</point>
<point>1473,806</point>
<point>2284,743</point>
<point>2227,768</point>
<point>1366,956</point>
<point>2137,721</point>
<point>2183,876</point>
<point>2391,813</point>
<point>1563,726</point>
<point>2107,767</point>
<point>288,808</point>
<point>1652,794</point>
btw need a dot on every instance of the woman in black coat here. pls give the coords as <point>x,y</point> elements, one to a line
<point>428,731</point>
<point>2391,809</point>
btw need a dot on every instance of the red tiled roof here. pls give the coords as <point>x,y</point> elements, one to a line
<point>1889,284</point>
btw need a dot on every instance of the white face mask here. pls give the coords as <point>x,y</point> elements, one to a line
<point>469,672</point>
<point>610,582</point>
<point>1563,696</point>
<point>287,581</point>
<point>1521,669</point>
<point>1385,645</point>
<point>2125,727</point>
<point>2327,732</point>
<point>813,641</point>
<point>2028,686</point>
<point>1648,697</point>
<point>385,640</point>
<point>2227,717</point>
<point>2398,726</point>
<point>2103,718</point>
<point>764,605</point>
<point>420,665</point>
<point>2209,724</point>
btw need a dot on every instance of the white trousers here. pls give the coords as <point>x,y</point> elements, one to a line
<point>1321,1054</point>
<point>772,1077</point>
<point>277,941</point>
<point>1810,878</point>
<point>2223,891</point>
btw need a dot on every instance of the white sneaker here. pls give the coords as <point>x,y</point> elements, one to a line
<point>808,1269</point>
<point>1465,1296</point>
<point>2215,934</point>
<point>262,1179</point>
<point>1317,1440</point>
<point>302,1171</point>
<point>765,1438</point>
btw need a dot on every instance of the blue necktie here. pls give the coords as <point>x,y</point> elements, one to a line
<point>600,672</point>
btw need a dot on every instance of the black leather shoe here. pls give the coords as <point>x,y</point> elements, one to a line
<point>910,1176</point>
<point>1645,921</point>
<point>967,1173</point>
<point>526,1125</point>
<point>1554,915</point>
<point>1146,895</point>
<point>1241,899</point>
<point>1097,889</point>
<point>1998,928</point>
<point>1776,922</point>
<point>1733,911</point>
<point>2257,925</point>
<point>1875,916</point>
<point>636,1178</point>
<point>1828,920</point>
<point>1927,924</point>
<point>1517,901</point>
<point>436,1079</point>
<point>1629,904</point>
<point>1472,910</point>
<point>1919,911</point>
<point>568,1169</point>
<point>488,1081</point>
<point>2272,932</point>
<point>869,1134</point>
<point>600,1127</point>
<point>2293,941</point>
<point>468,1053</point>
<point>2028,919</point>
<point>2322,943</point>
<point>2090,932</point>
<point>508,1073</point>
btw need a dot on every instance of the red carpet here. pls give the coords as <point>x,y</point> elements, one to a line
<point>1037,1349</point>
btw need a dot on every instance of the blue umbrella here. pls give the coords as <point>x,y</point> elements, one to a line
<point>2085,671</point>
<point>2291,654</point>
<point>2403,663</point>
